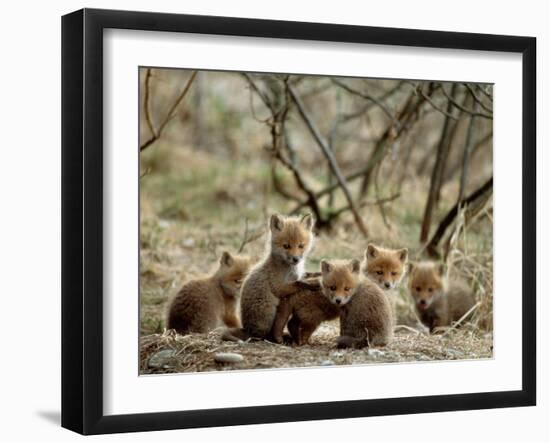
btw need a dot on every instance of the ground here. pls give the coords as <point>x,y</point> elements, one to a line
<point>169,352</point>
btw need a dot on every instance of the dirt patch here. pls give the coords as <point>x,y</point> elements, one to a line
<point>172,353</point>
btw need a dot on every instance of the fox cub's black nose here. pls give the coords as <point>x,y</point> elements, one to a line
<point>295,259</point>
<point>387,284</point>
<point>422,302</point>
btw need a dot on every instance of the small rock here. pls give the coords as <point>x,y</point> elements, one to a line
<point>455,354</point>
<point>161,359</point>
<point>337,354</point>
<point>376,353</point>
<point>164,224</point>
<point>189,242</point>
<point>228,357</point>
<point>327,363</point>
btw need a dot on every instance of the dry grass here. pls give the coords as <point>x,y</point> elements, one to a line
<point>195,352</point>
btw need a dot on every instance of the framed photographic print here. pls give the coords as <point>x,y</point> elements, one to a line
<point>270,221</point>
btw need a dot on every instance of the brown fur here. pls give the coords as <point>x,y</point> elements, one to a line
<point>437,303</point>
<point>385,267</point>
<point>308,309</point>
<point>205,304</point>
<point>274,278</point>
<point>365,312</point>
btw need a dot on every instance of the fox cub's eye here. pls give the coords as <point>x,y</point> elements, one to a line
<point>430,289</point>
<point>301,246</point>
<point>238,281</point>
<point>394,273</point>
<point>418,289</point>
<point>286,246</point>
<point>347,289</point>
<point>333,288</point>
<point>380,272</point>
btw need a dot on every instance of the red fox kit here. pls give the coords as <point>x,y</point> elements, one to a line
<point>275,277</point>
<point>437,302</point>
<point>309,308</point>
<point>205,304</point>
<point>365,312</point>
<point>385,267</point>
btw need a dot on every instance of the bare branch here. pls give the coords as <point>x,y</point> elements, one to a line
<point>330,158</point>
<point>170,114</point>
<point>484,92</point>
<point>278,187</point>
<point>369,98</point>
<point>468,147</point>
<point>407,115</point>
<point>437,171</point>
<point>379,202</point>
<point>291,165</point>
<point>146,105</point>
<point>485,189</point>
<point>436,107</point>
<point>484,139</point>
<point>249,236</point>
<point>477,99</point>
<point>258,91</point>
<point>462,108</point>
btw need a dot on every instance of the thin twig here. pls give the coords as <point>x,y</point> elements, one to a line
<point>485,93</point>
<point>477,99</point>
<point>245,236</point>
<point>436,107</point>
<point>407,328</point>
<point>170,114</point>
<point>144,173</point>
<point>462,108</point>
<point>461,319</point>
<point>278,187</point>
<point>349,178</point>
<point>258,91</point>
<point>248,236</point>
<point>148,117</point>
<point>431,246</point>
<point>369,98</point>
<point>468,147</point>
<point>378,202</point>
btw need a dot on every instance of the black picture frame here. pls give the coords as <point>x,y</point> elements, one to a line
<point>82,220</point>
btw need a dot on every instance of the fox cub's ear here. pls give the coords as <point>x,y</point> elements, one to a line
<point>326,267</point>
<point>403,254</point>
<point>308,221</point>
<point>276,222</point>
<point>372,251</point>
<point>355,266</point>
<point>227,259</point>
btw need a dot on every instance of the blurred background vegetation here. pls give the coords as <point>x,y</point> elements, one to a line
<point>396,162</point>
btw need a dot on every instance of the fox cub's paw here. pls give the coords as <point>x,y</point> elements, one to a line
<point>345,341</point>
<point>311,284</point>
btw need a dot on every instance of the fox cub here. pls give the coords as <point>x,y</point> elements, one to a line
<point>274,278</point>
<point>308,309</point>
<point>205,304</point>
<point>437,302</point>
<point>385,267</point>
<point>365,312</point>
